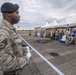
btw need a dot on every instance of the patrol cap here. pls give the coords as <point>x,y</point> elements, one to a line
<point>9,7</point>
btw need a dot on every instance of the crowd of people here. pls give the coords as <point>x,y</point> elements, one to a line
<point>69,33</point>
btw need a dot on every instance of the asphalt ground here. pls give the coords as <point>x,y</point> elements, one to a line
<point>63,57</point>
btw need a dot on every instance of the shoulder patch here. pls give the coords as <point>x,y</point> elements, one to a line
<point>3,44</point>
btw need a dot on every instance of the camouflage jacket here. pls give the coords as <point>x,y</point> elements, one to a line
<point>11,50</point>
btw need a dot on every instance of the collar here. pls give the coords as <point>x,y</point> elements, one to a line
<point>8,24</point>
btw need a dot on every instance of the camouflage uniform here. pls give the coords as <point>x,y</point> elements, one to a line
<point>11,50</point>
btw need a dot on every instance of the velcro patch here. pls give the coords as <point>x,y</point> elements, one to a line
<point>3,44</point>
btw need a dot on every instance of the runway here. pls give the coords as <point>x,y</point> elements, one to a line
<point>65,61</point>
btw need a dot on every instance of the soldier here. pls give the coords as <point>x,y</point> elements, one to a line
<point>12,56</point>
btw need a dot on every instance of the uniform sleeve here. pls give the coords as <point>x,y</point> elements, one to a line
<point>8,61</point>
<point>3,41</point>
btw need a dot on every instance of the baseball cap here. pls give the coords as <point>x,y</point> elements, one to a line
<point>9,7</point>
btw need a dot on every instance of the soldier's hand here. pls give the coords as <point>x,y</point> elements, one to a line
<point>28,55</point>
<point>28,52</point>
<point>28,49</point>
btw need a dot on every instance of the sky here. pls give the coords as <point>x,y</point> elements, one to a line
<point>35,13</point>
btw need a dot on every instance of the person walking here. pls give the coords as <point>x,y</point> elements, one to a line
<point>12,56</point>
<point>30,34</point>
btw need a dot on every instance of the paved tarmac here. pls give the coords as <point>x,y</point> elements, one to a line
<point>63,57</point>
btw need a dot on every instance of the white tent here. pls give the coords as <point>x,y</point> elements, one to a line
<point>66,22</point>
<point>52,24</point>
<point>45,25</point>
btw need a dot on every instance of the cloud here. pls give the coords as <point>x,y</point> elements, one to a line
<point>36,12</point>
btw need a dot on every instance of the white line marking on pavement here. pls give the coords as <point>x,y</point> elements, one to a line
<point>50,64</point>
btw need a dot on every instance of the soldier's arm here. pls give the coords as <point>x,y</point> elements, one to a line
<point>8,61</point>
